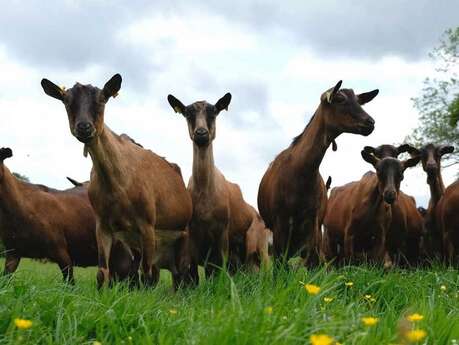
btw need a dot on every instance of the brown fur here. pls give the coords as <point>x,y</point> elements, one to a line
<point>44,223</point>
<point>431,156</point>
<point>224,226</point>
<point>405,236</point>
<point>447,214</point>
<point>359,214</point>
<point>292,195</point>
<point>139,197</point>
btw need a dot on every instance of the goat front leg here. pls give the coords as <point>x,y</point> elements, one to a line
<point>65,263</point>
<point>104,245</point>
<point>348,246</point>
<point>380,254</point>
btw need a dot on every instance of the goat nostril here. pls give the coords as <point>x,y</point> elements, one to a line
<point>370,121</point>
<point>431,168</point>
<point>201,132</point>
<point>84,126</point>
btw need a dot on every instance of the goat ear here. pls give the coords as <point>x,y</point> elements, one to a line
<point>446,149</point>
<point>176,105</point>
<point>52,89</point>
<point>5,152</point>
<point>367,96</point>
<point>223,102</point>
<point>369,157</point>
<point>408,148</point>
<point>112,86</point>
<point>328,95</point>
<point>369,149</point>
<point>411,162</point>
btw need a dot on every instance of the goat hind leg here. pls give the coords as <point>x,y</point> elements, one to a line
<point>11,263</point>
<point>150,274</point>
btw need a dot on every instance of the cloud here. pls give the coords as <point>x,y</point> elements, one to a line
<point>62,36</point>
<point>346,27</point>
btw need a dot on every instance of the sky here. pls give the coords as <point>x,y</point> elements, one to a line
<point>275,57</point>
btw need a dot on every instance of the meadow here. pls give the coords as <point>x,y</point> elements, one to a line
<point>352,305</point>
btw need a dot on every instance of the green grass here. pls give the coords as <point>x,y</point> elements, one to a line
<point>229,311</point>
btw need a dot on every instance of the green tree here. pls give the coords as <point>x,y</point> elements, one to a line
<point>438,104</point>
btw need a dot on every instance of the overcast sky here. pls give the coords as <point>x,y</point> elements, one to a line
<point>275,57</point>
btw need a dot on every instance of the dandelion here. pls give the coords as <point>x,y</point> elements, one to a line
<point>349,284</point>
<point>173,311</point>
<point>415,335</point>
<point>370,321</point>
<point>443,287</point>
<point>22,323</point>
<point>328,299</point>
<point>269,310</point>
<point>312,289</point>
<point>367,297</point>
<point>415,317</point>
<point>321,339</point>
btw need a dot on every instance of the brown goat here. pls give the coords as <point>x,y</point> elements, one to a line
<point>221,228</point>
<point>431,156</point>
<point>292,195</point>
<point>447,215</point>
<point>41,222</point>
<point>359,214</point>
<point>405,236</point>
<point>139,197</point>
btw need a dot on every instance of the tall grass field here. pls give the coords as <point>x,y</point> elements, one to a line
<point>351,305</point>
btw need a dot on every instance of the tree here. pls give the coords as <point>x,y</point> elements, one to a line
<point>438,104</point>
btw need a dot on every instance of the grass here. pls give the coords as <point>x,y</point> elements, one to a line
<point>247,309</point>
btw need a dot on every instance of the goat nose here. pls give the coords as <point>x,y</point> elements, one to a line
<point>389,196</point>
<point>200,131</point>
<point>370,121</point>
<point>431,167</point>
<point>83,126</point>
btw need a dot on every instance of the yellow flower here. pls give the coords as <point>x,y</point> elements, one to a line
<point>415,317</point>
<point>321,339</point>
<point>349,284</point>
<point>367,297</point>
<point>173,311</point>
<point>443,287</point>
<point>312,289</point>
<point>415,335</point>
<point>328,299</point>
<point>23,324</point>
<point>370,321</point>
<point>269,310</point>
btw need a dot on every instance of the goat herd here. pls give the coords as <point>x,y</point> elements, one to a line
<point>135,212</point>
